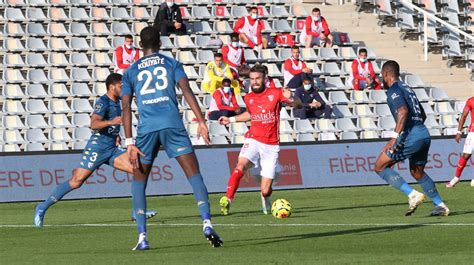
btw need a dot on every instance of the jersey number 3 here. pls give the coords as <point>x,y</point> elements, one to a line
<point>160,84</point>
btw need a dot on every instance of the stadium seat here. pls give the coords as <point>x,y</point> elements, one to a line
<point>79,145</point>
<point>58,147</point>
<point>36,136</point>
<point>120,13</point>
<point>286,138</point>
<point>59,135</point>
<point>338,97</point>
<point>36,29</point>
<point>450,131</point>
<point>219,140</point>
<point>13,29</point>
<point>359,97</point>
<point>238,128</point>
<point>57,29</point>
<point>349,136</point>
<point>57,45</point>
<point>363,110</point>
<point>35,60</point>
<point>382,110</point>
<point>298,11</point>
<point>444,108</point>
<point>30,147</point>
<point>238,11</point>
<point>279,11</point>
<point>79,59</point>
<point>81,105</point>
<point>13,91</point>
<point>216,129</point>
<point>237,139</point>
<point>386,123</point>
<point>342,111</point>
<point>331,69</point>
<point>414,81</point>
<point>448,121</point>
<point>434,132</point>
<point>334,83</point>
<point>79,14</point>
<point>281,26</point>
<point>80,74</point>
<point>328,54</point>
<point>428,109</point>
<point>327,136</point>
<point>324,125</point>
<point>421,95</point>
<point>58,90</point>
<point>309,54</point>
<point>35,121</point>
<point>57,14</point>
<point>347,53</point>
<point>13,60</point>
<point>81,134</point>
<point>285,127</point>
<point>14,14</point>
<point>377,96</point>
<point>59,121</point>
<point>100,74</point>
<point>184,42</point>
<point>12,136</point>
<point>120,28</point>
<point>140,13</point>
<point>58,75</point>
<point>36,106</point>
<point>273,70</point>
<point>37,76</point>
<point>13,107</point>
<point>36,91</point>
<point>97,28</point>
<point>269,55</point>
<point>186,57</point>
<point>101,59</point>
<point>12,76</point>
<point>12,122</point>
<point>200,13</point>
<point>11,148</point>
<point>58,106</point>
<point>80,44</point>
<point>81,120</point>
<point>202,27</point>
<point>366,124</point>
<point>431,122</point>
<point>305,137</point>
<point>220,12</point>
<point>438,94</point>
<point>304,126</point>
<point>346,125</point>
<point>369,135</point>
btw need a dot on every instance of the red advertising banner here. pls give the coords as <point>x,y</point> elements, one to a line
<point>289,164</point>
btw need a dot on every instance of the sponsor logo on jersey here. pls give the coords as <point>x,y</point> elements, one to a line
<point>264,117</point>
<point>155,100</point>
<point>271,97</point>
<point>395,95</point>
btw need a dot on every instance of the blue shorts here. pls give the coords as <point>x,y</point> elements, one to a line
<point>95,155</point>
<point>175,141</point>
<point>414,145</point>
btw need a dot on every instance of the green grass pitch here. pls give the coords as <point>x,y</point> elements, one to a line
<point>360,225</point>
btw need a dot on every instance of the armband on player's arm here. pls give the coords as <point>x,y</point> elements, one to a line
<point>129,141</point>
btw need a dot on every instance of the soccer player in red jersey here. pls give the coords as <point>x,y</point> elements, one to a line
<point>468,144</point>
<point>262,140</point>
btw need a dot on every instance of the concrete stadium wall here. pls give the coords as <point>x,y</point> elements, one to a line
<point>32,176</point>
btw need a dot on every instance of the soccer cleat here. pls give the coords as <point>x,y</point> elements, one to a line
<point>266,204</point>
<point>414,200</point>
<point>225,205</point>
<point>142,243</point>
<point>453,182</point>
<point>440,210</point>
<point>212,237</point>
<point>148,215</point>
<point>39,216</point>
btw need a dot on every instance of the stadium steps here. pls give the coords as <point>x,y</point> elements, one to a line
<point>363,28</point>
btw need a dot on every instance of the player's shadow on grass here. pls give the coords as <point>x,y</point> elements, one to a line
<point>322,209</point>
<point>461,213</point>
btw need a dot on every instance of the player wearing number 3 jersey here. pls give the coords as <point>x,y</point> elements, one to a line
<point>411,140</point>
<point>103,147</point>
<point>152,80</point>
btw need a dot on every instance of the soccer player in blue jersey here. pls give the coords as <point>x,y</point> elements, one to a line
<point>411,140</point>
<point>103,147</point>
<point>152,80</point>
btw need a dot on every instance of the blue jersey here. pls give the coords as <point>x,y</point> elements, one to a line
<point>107,109</point>
<point>401,95</point>
<point>152,79</point>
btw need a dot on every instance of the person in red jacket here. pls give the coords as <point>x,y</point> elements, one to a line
<point>363,75</point>
<point>250,30</point>
<point>316,31</point>
<point>233,55</point>
<point>295,70</point>
<point>223,102</point>
<point>126,55</point>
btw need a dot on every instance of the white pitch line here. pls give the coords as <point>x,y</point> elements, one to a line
<point>244,225</point>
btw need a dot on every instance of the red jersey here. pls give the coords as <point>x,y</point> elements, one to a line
<point>470,107</point>
<point>264,109</point>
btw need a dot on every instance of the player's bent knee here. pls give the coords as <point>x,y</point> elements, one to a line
<point>267,192</point>
<point>76,183</point>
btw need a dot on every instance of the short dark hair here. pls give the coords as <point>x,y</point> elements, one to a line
<point>392,66</point>
<point>259,68</point>
<point>150,38</point>
<point>316,10</point>
<point>307,78</point>
<point>362,50</point>
<point>128,36</point>
<point>112,79</point>
<point>218,54</point>
<point>226,81</point>
<point>295,48</point>
<point>253,8</point>
<point>234,35</point>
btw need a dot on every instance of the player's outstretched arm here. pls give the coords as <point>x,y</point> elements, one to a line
<point>192,102</point>
<point>462,120</point>
<point>243,117</point>
<point>98,122</point>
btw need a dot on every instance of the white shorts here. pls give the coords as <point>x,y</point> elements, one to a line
<point>469,143</point>
<point>266,154</point>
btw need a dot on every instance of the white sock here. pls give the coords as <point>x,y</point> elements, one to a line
<point>206,223</point>
<point>142,237</point>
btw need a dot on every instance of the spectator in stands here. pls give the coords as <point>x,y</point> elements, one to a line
<point>169,20</point>
<point>223,102</point>
<point>234,56</point>
<point>313,105</point>
<point>126,55</point>
<point>250,30</point>
<point>315,31</point>
<point>295,70</point>
<point>216,71</point>
<point>363,75</point>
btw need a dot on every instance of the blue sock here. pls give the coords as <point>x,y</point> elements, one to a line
<point>200,195</point>
<point>430,189</point>
<point>58,192</point>
<point>139,204</point>
<point>393,178</point>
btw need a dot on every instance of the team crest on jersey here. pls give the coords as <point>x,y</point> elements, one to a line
<point>98,106</point>
<point>251,101</point>
<point>271,97</point>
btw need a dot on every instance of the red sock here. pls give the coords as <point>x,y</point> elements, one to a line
<point>233,183</point>
<point>461,164</point>
<point>250,44</point>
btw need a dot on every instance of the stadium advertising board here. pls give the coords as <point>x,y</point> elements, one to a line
<point>32,177</point>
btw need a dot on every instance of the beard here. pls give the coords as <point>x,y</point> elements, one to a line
<point>257,90</point>
<point>385,85</point>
